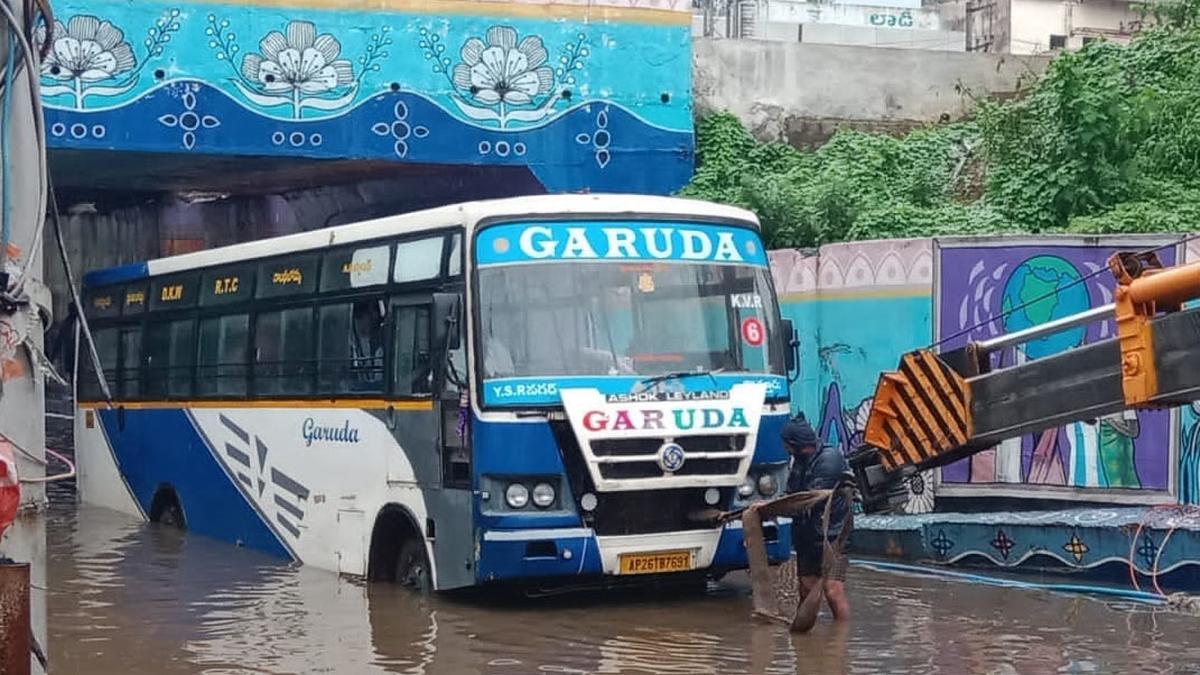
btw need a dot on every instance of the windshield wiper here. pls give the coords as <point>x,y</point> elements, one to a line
<point>679,375</point>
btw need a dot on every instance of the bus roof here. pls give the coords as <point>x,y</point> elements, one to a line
<point>465,215</point>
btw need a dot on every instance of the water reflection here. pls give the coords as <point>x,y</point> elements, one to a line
<point>125,597</point>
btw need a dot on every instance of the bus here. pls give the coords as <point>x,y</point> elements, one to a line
<point>529,390</point>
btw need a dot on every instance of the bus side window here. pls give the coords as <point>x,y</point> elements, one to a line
<point>170,356</point>
<point>221,360</point>
<point>283,352</point>
<point>419,260</point>
<point>106,347</point>
<point>351,346</point>
<point>412,370</point>
<point>131,362</point>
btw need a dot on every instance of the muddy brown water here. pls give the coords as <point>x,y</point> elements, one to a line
<point>126,597</point>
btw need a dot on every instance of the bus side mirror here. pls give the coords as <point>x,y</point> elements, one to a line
<point>791,352</point>
<point>445,324</point>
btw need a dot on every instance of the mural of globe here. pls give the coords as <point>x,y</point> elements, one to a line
<point>1037,277</point>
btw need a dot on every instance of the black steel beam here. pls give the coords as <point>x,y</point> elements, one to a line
<point>1082,384</point>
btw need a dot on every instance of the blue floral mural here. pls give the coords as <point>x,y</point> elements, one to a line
<point>504,77</point>
<point>298,69</point>
<point>90,57</point>
<point>584,103</point>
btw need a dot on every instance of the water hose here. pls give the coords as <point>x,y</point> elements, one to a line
<point>1123,593</point>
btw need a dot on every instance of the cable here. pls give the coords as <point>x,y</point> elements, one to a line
<point>32,71</point>
<point>1137,535</point>
<point>47,12</point>
<point>1138,596</point>
<point>1132,547</point>
<point>1056,291</point>
<point>78,304</point>
<point>5,115</point>
<point>57,477</point>
<point>32,457</point>
<point>1157,556</point>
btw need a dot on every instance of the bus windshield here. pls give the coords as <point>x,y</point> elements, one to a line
<point>635,318</point>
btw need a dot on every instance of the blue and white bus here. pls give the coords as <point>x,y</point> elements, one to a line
<point>539,389</point>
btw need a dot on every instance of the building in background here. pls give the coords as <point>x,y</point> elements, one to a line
<point>903,24</point>
<point>999,26</point>
<point>1039,26</point>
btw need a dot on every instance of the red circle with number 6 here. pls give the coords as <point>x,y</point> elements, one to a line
<point>752,332</point>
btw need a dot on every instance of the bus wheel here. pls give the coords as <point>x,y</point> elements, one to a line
<point>412,567</point>
<point>165,509</point>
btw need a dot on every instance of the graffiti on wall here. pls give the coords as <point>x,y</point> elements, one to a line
<point>857,307</point>
<point>985,291</point>
<point>551,87</point>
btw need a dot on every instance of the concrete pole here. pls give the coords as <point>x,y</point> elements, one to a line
<point>22,397</point>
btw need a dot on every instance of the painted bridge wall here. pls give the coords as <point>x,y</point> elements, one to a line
<point>859,306</point>
<point>593,95</point>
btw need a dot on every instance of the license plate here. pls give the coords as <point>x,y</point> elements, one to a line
<point>656,563</point>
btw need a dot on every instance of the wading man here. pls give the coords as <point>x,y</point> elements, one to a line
<point>817,466</point>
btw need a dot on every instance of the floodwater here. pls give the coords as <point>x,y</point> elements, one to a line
<point>126,597</point>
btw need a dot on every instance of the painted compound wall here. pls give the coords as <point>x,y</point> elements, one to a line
<point>590,95</point>
<point>859,306</point>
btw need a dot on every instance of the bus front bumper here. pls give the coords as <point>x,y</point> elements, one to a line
<point>579,552</point>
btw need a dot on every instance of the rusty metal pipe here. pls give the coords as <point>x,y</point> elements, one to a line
<point>14,619</point>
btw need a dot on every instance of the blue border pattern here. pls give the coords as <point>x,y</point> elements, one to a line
<point>1154,541</point>
<point>190,116</point>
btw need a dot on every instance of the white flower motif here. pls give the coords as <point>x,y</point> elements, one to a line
<point>86,50</point>
<point>302,62</point>
<point>503,71</point>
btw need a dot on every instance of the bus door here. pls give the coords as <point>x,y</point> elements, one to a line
<point>436,442</point>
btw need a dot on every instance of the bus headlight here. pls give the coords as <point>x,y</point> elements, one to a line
<point>767,485</point>
<point>516,495</point>
<point>543,495</point>
<point>746,489</point>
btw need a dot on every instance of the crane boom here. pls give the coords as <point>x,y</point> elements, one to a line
<point>936,409</point>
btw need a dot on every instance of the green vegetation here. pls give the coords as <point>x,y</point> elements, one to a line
<point>1108,141</point>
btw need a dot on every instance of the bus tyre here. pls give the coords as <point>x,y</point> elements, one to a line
<point>412,566</point>
<point>171,516</point>
<point>165,509</point>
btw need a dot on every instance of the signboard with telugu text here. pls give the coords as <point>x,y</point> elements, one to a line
<point>870,16</point>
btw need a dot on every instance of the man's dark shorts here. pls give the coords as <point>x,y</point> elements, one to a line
<point>809,557</point>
